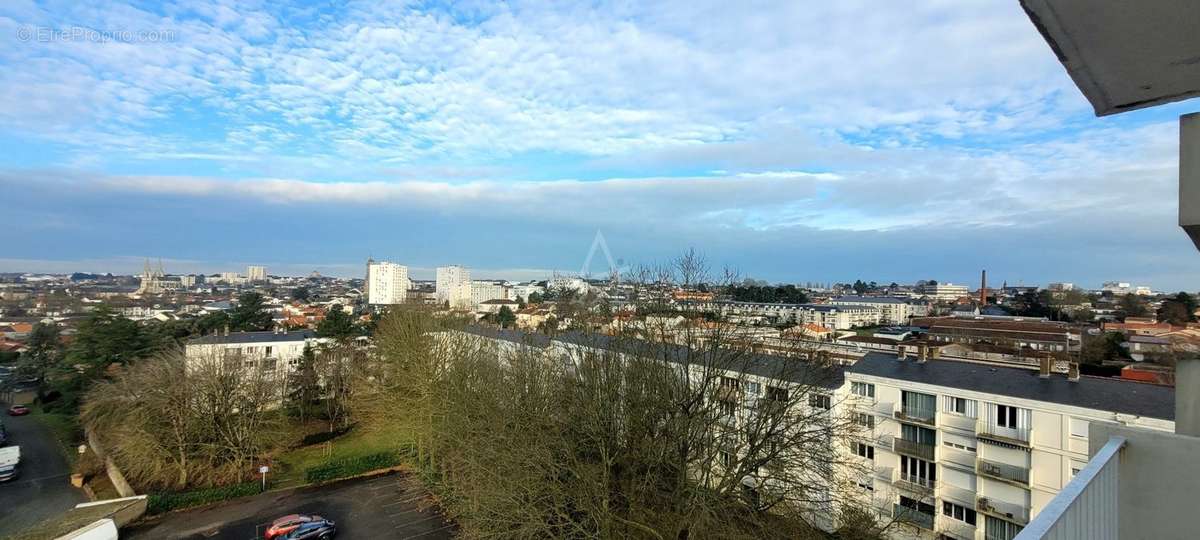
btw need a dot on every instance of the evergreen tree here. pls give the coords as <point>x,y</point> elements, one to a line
<point>304,386</point>
<point>250,314</point>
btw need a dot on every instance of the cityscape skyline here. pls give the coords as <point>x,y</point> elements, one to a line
<point>792,143</point>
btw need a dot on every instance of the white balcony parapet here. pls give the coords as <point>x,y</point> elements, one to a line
<point>1087,508</point>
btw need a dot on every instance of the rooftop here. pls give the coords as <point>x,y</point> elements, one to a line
<point>253,337</point>
<point>1100,393</point>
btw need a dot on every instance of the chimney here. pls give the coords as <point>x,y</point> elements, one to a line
<point>1044,367</point>
<point>227,329</point>
<point>1073,372</point>
<point>903,350</point>
<point>935,352</point>
<point>921,352</point>
<point>983,289</point>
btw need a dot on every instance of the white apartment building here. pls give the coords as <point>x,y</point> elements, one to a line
<point>891,310</point>
<point>278,353</point>
<point>974,451</point>
<point>952,449</point>
<point>943,291</point>
<point>837,317</point>
<point>448,279</point>
<point>578,285</point>
<point>256,273</point>
<point>387,283</point>
<point>482,291</point>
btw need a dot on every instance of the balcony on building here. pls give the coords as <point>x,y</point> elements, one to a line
<point>916,517</point>
<point>912,448</point>
<point>1005,510</point>
<point>1138,483</point>
<point>989,432</point>
<point>1005,472</point>
<point>915,414</point>
<point>918,487</point>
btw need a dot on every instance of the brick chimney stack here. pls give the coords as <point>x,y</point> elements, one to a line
<point>983,289</point>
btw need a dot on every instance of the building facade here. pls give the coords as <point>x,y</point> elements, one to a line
<point>388,283</point>
<point>256,273</point>
<point>972,451</point>
<point>943,292</point>
<point>276,353</point>
<point>448,279</point>
<point>891,310</point>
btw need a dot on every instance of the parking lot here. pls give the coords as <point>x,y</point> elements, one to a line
<point>389,506</point>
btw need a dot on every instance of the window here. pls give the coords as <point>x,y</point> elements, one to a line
<point>268,351</point>
<point>865,420</point>
<point>725,457</point>
<point>819,401</point>
<point>963,406</point>
<point>726,408</point>
<point>777,394</point>
<point>863,389</point>
<point>868,484</point>
<point>913,504</point>
<point>730,383</point>
<point>1006,416</point>
<point>753,388</point>
<point>918,405</point>
<point>1079,428</point>
<point>960,513</point>
<point>998,529</point>
<point>918,434</point>
<point>864,450</point>
<point>918,471</point>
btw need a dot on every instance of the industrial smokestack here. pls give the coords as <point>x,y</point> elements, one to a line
<point>983,289</point>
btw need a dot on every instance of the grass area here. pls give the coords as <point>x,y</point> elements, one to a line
<point>65,430</point>
<point>290,466</point>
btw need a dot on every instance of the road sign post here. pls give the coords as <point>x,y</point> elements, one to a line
<point>263,471</point>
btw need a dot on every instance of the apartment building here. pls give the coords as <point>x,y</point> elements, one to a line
<point>837,317</point>
<point>448,279</point>
<point>945,292</point>
<point>482,291</point>
<point>256,273</point>
<point>387,283</point>
<point>276,352</point>
<point>891,310</point>
<point>974,451</point>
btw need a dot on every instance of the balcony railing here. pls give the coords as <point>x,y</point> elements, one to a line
<point>1013,512</point>
<point>912,515</point>
<point>1004,434</point>
<point>1003,471</point>
<point>921,415</point>
<point>1087,507</point>
<point>923,487</point>
<point>913,448</point>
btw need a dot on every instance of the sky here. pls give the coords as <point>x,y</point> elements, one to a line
<point>793,141</point>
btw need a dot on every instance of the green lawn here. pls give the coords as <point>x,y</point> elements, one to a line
<point>289,467</point>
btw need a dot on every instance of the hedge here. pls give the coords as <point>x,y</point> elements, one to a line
<point>343,468</point>
<point>158,503</point>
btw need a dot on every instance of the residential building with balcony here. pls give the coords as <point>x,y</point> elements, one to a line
<point>276,352</point>
<point>974,451</point>
<point>891,310</point>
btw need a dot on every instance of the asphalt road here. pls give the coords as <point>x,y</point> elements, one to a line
<point>390,506</point>
<point>42,488</point>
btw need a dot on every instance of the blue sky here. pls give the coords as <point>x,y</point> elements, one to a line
<point>793,142</point>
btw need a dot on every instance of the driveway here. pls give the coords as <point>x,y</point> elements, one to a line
<point>390,506</point>
<point>42,488</point>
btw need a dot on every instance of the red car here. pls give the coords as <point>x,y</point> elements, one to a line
<point>18,410</point>
<point>287,524</point>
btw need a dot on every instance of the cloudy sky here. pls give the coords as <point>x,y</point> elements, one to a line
<point>796,141</point>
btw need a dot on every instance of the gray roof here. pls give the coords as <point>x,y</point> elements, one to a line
<point>1099,393</point>
<point>253,337</point>
<point>871,299</point>
<point>773,367</point>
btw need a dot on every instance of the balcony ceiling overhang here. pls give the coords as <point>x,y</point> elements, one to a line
<point>1124,54</point>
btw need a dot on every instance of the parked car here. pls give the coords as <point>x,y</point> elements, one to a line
<point>18,410</point>
<point>320,529</point>
<point>287,524</point>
